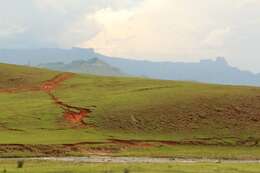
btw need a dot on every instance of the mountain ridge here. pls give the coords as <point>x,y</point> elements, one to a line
<point>208,71</point>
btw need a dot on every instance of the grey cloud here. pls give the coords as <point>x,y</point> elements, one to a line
<point>50,23</point>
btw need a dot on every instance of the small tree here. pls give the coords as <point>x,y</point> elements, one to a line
<point>20,163</point>
<point>126,170</point>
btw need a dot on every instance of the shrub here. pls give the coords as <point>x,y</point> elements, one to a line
<point>20,163</point>
<point>126,170</point>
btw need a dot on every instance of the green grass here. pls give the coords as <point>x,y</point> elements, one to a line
<point>16,76</point>
<point>216,117</point>
<point>62,167</point>
<point>189,151</point>
<point>175,109</point>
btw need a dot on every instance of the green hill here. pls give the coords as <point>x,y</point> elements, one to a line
<point>46,113</point>
<point>14,76</point>
<point>91,66</point>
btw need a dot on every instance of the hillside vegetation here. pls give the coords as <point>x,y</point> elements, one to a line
<point>21,76</point>
<point>67,114</point>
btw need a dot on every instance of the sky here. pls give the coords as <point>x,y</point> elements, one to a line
<point>159,30</point>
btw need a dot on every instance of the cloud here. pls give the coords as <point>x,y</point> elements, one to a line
<point>50,23</point>
<point>175,30</point>
<point>154,29</point>
<point>216,38</point>
<point>7,30</point>
<point>181,31</point>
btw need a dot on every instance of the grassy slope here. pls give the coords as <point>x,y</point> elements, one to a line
<point>172,109</point>
<point>133,108</point>
<point>15,76</point>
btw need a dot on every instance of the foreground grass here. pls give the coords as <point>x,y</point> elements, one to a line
<point>200,152</point>
<point>189,151</point>
<point>62,167</point>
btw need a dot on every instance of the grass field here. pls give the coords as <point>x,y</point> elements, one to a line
<point>129,116</point>
<point>62,167</point>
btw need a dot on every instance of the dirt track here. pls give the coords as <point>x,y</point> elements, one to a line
<point>72,114</point>
<point>99,159</point>
<point>50,85</point>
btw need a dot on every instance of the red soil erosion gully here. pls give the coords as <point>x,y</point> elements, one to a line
<point>72,114</point>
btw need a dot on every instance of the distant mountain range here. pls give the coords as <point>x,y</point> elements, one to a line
<point>209,71</point>
<point>90,66</point>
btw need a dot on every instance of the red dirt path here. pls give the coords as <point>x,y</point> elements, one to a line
<point>47,86</point>
<point>72,114</point>
<point>50,85</point>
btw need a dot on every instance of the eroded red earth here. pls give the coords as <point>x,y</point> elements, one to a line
<point>52,84</point>
<point>75,117</point>
<point>72,114</point>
